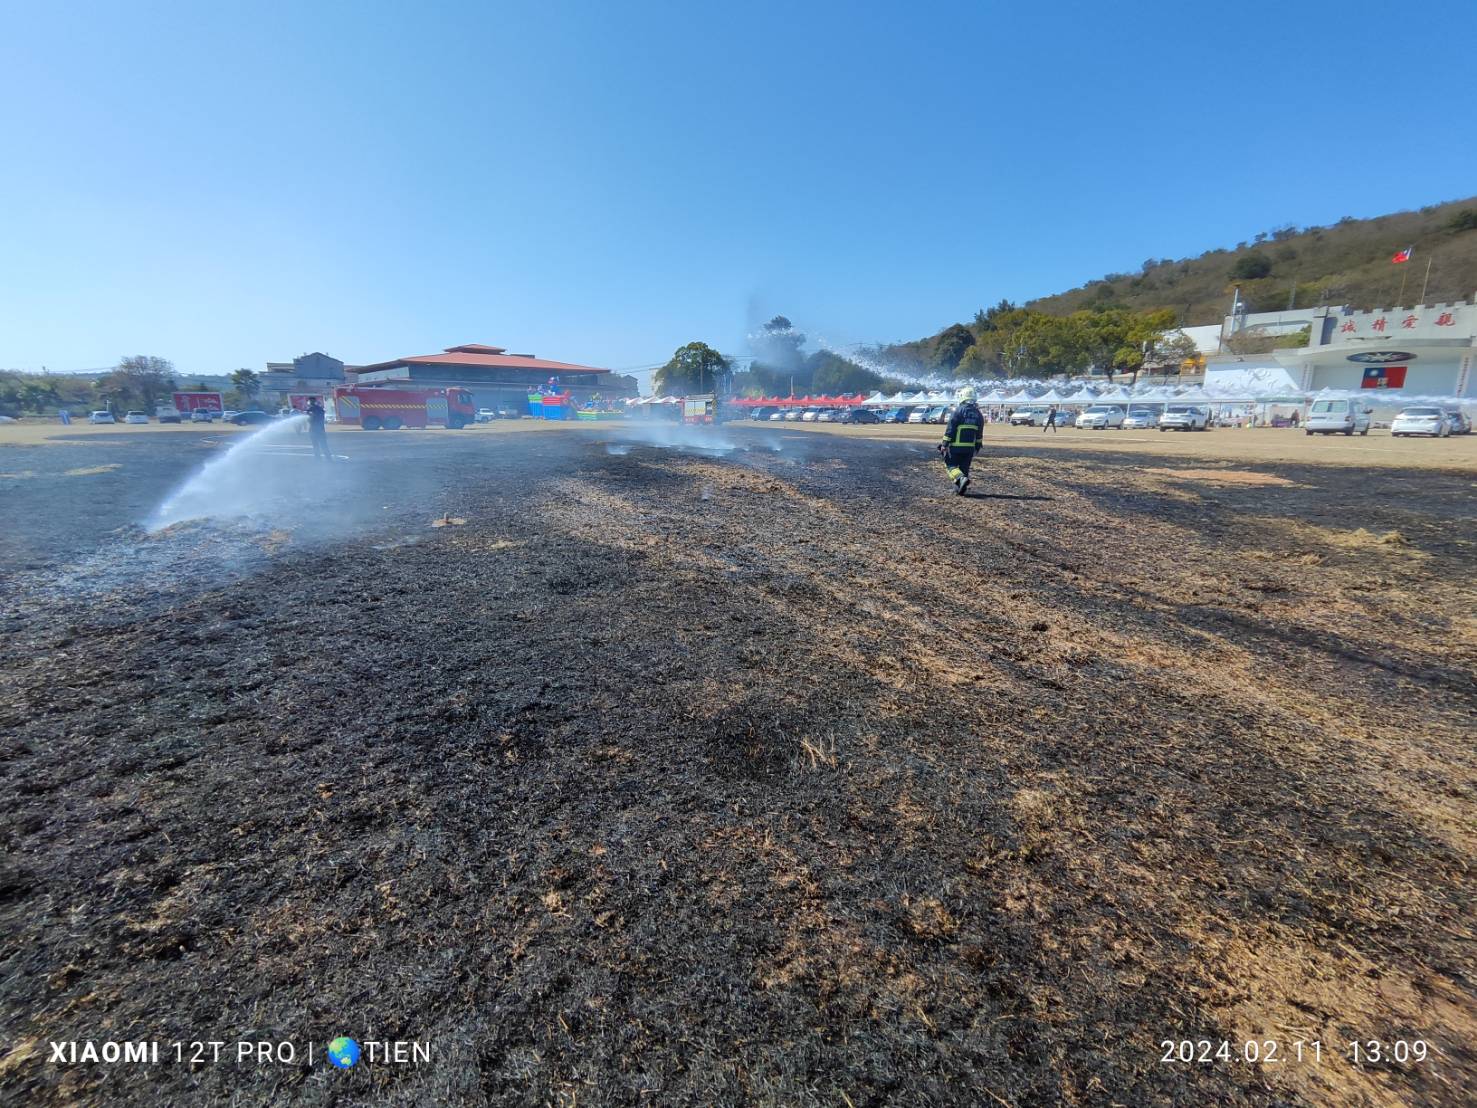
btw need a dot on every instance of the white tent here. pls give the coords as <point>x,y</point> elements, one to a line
<point>1118,395</point>
<point>1050,396</point>
<point>1084,395</point>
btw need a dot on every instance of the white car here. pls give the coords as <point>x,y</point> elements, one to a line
<point>1100,417</point>
<point>1032,416</point>
<point>101,417</point>
<point>918,415</point>
<point>809,415</point>
<point>1460,424</point>
<point>1184,417</point>
<point>1420,421</point>
<point>485,415</point>
<point>202,415</point>
<point>777,416</point>
<point>135,417</point>
<point>1336,417</point>
<point>1140,419</point>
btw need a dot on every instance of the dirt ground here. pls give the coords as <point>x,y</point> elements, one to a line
<point>751,769</point>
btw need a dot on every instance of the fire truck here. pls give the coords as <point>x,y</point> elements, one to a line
<point>391,409</point>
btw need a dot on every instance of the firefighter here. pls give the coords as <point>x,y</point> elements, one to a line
<point>962,439</point>
<point>317,431</point>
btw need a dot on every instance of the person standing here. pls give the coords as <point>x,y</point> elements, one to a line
<point>317,431</point>
<point>1050,424</point>
<point>962,439</point>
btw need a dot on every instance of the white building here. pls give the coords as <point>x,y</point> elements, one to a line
<point>1426,350</point>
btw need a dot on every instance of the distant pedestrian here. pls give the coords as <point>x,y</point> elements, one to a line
<point>1295,417</point>
<point>1050,424</point>
<point>317,431</point>
<point>65,416</point>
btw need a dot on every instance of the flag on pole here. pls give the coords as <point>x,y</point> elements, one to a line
<point>1403,256</point>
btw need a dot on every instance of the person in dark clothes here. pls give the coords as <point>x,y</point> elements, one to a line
<point>317,431</point>
<point>1050,424</point>
<point>962,439</point>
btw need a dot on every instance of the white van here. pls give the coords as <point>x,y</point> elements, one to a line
<point>1333,417</point>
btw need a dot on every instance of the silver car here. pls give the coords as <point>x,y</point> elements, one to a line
<point>1420,421</point>
<point>1140,419</point>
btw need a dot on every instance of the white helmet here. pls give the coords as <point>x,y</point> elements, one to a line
<point>966,395</point>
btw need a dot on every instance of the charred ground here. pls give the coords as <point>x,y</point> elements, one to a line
<point>754,778</point>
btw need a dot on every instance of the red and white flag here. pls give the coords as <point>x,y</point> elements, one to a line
<point>1403,256</point>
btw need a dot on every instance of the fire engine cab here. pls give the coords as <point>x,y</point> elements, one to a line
<point>391,409</point>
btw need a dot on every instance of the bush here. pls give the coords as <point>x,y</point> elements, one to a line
<point>1464,220</point>
<point>1249,267</point>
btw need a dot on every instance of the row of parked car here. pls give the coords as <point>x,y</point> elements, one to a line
<point>199,415</point>
<point>816,415</point>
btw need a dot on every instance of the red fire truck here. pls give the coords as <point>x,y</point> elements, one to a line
<point>392,409</point>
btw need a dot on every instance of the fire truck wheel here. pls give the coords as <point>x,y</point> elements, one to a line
<point>393,424</point>
<point>372,423</point>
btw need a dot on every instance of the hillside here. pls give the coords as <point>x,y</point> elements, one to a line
<point>1106,321</point>
<point>1346,263</point>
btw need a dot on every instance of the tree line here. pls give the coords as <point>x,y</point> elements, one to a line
<point>139,382</point>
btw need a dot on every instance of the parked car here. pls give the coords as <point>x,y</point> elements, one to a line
<point>252,416</point>
<point>918,415</point>
<point>101,417</point>
<point>760,414</point>
<point>1140,419</point>
<point>1334,417</point>
<point>1184,417</point>
<point>793,415</point>
<point>808,416</point>
<point>1460,424</point>
<point>135,417</point>
<point>858,415</point>
<point>1420,421</point>
<point>484,415</point>
<point>777,415</point>
<point>1099,417</point>
<point>228,415</point>
<point>1032,415</point>
<point>827,416</point>
<point>170,416</point>
<point>202,415</point>
<point>896,415</point>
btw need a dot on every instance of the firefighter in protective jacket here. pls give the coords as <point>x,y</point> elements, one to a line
<point>962,439</point>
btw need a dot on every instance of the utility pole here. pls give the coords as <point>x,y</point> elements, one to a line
<point>1427,281</point>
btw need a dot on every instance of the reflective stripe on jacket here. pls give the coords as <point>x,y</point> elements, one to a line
<point>966,427</point>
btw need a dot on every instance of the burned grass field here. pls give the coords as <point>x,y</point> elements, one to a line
<point>767,775</point>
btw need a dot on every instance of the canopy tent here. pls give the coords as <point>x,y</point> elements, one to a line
<point>1084,395</point>
<point>1119,395</point>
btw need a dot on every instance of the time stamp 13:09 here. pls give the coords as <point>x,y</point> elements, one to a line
<point>1271,1052</point>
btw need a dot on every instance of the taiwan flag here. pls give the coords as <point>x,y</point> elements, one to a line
<point>1403,256</point>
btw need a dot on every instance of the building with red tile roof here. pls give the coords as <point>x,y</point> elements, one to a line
<point>496,378</point>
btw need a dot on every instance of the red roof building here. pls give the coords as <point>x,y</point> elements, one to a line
<point>496,378</point>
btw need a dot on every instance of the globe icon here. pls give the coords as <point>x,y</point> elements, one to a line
<point>343,1052</point>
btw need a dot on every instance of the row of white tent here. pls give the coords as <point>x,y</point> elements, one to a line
<point>1157,394</point>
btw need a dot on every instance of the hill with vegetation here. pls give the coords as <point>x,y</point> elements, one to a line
<point>1127,321</point>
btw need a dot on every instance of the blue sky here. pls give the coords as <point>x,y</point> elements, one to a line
<point>226,184</point>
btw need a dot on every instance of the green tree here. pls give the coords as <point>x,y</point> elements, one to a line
<point>950,346</point>
<point>247,384</point>
<point>1250,267</point>
<point>694,369</point>
<point>777,344</point>
<point>138,380</point>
